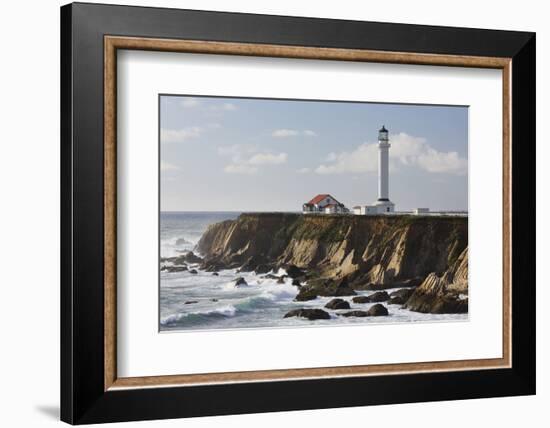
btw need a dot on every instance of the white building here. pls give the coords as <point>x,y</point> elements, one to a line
<point>420,211</point>
<point>325,204</point>
<point>383,203</point>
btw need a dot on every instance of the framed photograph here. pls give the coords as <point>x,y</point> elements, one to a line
<point>320,213</point>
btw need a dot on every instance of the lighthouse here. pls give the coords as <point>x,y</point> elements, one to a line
<point>383,203</point>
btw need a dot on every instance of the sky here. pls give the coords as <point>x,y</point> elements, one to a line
<point>245,154</point>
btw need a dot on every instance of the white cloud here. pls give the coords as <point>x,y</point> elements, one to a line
<point>438,162</point>
<point>179,135</point>
<point>165,166</point>
<point>405,150</point>
<point>286,133</point>
<point>245,158</point>
<point>224,107</point>
<point>362,159</point>
<point>268,159</point>
<point>190,103</point>
<point>303,170</point>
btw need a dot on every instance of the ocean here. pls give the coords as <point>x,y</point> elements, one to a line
<point>205,301</point>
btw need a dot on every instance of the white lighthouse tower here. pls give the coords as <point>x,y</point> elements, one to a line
<point>383,204</point>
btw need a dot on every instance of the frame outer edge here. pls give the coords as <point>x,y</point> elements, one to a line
<point>83,398</point>
<point>66,226</point>
<point>523,218</point>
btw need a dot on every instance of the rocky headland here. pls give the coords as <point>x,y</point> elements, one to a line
<point>338,255</point>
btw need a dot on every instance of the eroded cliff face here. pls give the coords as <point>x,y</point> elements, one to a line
<point>343,253</point>
<point>447,293</point>
<point>363,251</point>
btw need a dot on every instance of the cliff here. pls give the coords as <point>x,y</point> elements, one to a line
<point>445,293</point>
<point>342,253</point>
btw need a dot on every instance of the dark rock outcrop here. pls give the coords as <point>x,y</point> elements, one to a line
<point>337,304</point>
<point>240,282</point>
<point>310,314</point>
<point>193,271</point>
<point>355,314</point>
<point>262,268</point>
<point>446,293</point>
<point>325,288</point>
<point>374,311</point>
<point>191,257</point>
<point>379,296</point>
<point>294,271</point>
<point>377,310</point>
<point>172,269</point>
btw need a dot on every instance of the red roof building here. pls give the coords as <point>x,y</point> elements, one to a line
<point>324,203</point>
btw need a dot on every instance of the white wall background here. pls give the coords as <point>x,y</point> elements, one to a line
<point>29,214</point>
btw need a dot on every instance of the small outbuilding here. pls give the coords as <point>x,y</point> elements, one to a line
<point>324,204</point>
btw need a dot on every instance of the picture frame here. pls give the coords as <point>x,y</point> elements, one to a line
<point>91,391</point>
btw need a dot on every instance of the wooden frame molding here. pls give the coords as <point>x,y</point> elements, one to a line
<point>113,43</point>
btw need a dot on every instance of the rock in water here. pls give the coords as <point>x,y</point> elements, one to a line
<point>262,268</point>
<point>337,304</point>
<point>355,314</point>
<point>190,302</point>
<point>310,314</point>
<point>191,257</point>
<point>193,271</point>
<point>379,296</point>
<point>399,297</point>
<point>294,271</point>
<point>240,282</point>
<point>377,310</point>
<point>361,299</point>
<point>175,268</point>
<point>324,287</point>
<point>305,295</point>
<point>215,274</point>
<point>296,282</point>
<point>343,288</point>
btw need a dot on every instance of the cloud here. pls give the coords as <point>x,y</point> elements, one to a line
<point>224,107</point>
<point>268,159</point>
<point>245,158</point>
<point>165,166</point>
<point>286,133</point>
<point>405,150</point>
<point>303,170</point>
<point>179,135</point>
<point>190,103</point>
<point>362,159</point>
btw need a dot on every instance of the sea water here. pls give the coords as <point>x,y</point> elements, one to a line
<point>206,301</point>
